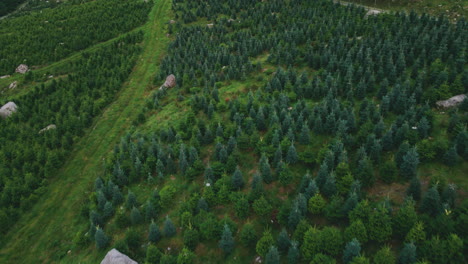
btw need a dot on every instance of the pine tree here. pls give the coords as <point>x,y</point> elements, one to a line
<point>248,235</point>
<point>169,229</point>
<point>414,189</point>
<point>410,164</point>
<point>108,210</point>
<point>237,182</point>
<point>101,239</point>
<point>191,238</point>
<point>408,254</point>
<point>431,203</point>
<point>150,211</point>
<point>202,205</point>
<point>261,206</point>
<point>416,234</point>
<point>380,226</point>
<point>131,200</point>
<point>227,242</point>
<point>272,257</point>
<point>266,172</point>
<point>384,256</point>
<point>352,249</point>
<point>329,188</point>
<point>264,243</point>
<point>135,216</point>
<point>304,137</point>
<point>154,235</point>
<point>404,219</point>
<point>451,157</point>
<point>153,255</point>
<point>293,252</point>
<point>291,156</point>
<point>322,175</point>
<point>283,241</point>
<point>356,230</point>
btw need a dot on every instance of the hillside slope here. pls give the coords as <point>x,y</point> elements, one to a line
<point>45,234</point>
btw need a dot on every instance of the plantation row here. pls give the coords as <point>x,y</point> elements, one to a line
<point>336,104</point>
<point>30,157</point>
<point>41,37</point>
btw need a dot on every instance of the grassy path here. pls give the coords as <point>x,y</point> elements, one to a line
<point>45,233</point>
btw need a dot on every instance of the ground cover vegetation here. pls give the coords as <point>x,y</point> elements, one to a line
<point>290,114</point>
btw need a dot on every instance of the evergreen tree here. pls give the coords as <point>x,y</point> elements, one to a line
<point>380,226</point>
<point>248,235</point>
<point>266,172</point>
<point>291,156</point>
<point>261,206</point>
<point>450,157</point>
<point>356,230</point>
<point>154,235</point>
<point>352,249</point>
<point>304,137</point>
<point>384,256</point>
<point>237,182</point>
<point>227,242</point>
<point>101,239</point>
<point>322,175</point>
<point>449,195</point>
<point>416,234</point>
<point>153,255</point>
<point>272,257</point>
<point>402,150</point>
<point>407,254</point>
<point>265,243</point>
<point>202,205</point>
<point>150,211</point>
<point>293,253</point>
<point>131,200</point>
<point>404,219</point>
<point>191,238</point>
<point>329,188</point>
<point>169,229</point>
<point>135,216</point>
<point>316,204</point>
<point>283,241</point>
<point>431,203</point>
<point>108,210</point>
<point>414,189</point>
<point>410,164</point>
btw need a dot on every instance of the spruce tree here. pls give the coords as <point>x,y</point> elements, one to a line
<point>414,189</point>
<point>237,182</point>
<point>135,216</point>
<point>410,164</point>
<point>154,235</point>
<point>450,157</point>
<point>226,243</point>
<point>431,203</point>
<point>272,257</point>
<point>352,249</point>
<point>101,238</point>
<point>293,252</point>
<point>283,241</point>
<point>384,256</point>
<point>356,230</point>
<point>407,254</point>
<point>169,229</point>
<point>291,156</point>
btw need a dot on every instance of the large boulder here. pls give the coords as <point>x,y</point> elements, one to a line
<point>454,101</point>
<point>22,68</point>
<point>170,82</point>
<point>8,109</point>
<point>115,257</point>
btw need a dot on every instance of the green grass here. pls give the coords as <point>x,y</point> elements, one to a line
<point>45,233</point>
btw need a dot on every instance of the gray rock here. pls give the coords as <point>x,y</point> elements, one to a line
<point>22,68</point>
<point>8,109</point>
<point>451,101</point>
<point>170,82</point>
<point>4,76</point>
<point>115,257</point>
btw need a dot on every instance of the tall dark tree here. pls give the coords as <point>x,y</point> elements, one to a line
<point>352,250</point>
<point>237,182</point>
<point>154,235</point>
<point>431,203</point>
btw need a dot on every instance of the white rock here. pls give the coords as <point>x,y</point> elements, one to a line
<point>115,257</point>
<point>13,85</point>
<point>49,127</point>
<point>22,68</point>
<point>8,109</point>
<point>4,76</point>
<point>451,101</point>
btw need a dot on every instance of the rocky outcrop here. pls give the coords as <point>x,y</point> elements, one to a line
<point>373,12</point>
<point>169,83</point>
<point>451,102</point>
<point>8,109</point>
<point>22,68</point>
<point>49,127</point>
<point>13,85</point>
<point>115,257</point>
